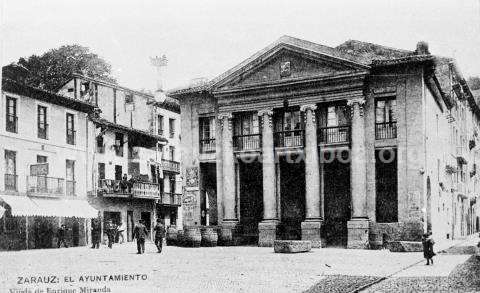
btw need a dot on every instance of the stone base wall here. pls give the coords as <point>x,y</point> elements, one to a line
<point>380,233</point>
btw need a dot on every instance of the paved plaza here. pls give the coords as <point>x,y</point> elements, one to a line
<point>216,269</point>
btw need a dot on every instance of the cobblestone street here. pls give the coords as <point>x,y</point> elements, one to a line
<point>218,269</point>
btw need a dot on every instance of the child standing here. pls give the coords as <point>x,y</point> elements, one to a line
<point>428,242</point>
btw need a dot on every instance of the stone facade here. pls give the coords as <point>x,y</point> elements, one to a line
<point>396,102</point>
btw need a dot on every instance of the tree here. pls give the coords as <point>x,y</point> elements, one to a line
<point>54,68</point>
<point>474,82</point>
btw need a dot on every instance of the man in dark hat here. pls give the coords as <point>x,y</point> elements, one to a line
<point>111,230</point>
<point>140,233</point>
<point>159,234</point>
<point>61,234</point>
<point>96,233</point>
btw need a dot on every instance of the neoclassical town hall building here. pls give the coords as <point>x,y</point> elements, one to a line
<point>347,146</point>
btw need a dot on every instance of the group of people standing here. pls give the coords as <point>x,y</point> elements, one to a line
<point>140,233</point>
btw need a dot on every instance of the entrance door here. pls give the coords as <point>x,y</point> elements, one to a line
<point>118,172</point>
<point>76,233</point>
<point>292,188</point>
<point>145,216</point>
<point>337,202</point>
<point>251,200</point>
<point>129,226</point>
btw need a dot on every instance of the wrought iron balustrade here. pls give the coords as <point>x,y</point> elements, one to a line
<point>247,142</point>
<point>386,130</point>
<point>289,138</point>
<point>334,134</point>
<point>10,182</point>
<point>47,186</point>
<point>207,145</point>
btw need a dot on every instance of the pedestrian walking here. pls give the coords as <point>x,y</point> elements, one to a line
<point>159,235</point>
<point>428,242</point>
<point>111,230</point>
<point>61,234</point>
<point>96,233</point>
<point>140,233</point>
<point>121,229</point>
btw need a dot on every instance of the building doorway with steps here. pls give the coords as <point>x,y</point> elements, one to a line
<point>337,201</point>
<point>208,194</point>
<point>292,197</point>
<point>251,200</point>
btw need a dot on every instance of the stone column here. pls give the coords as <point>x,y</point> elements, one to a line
<point>359,224</point>
<point>313,222</point>
<point>230,221</point>
<point>267,229</point>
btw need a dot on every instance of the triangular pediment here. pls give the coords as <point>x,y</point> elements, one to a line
<point>286,61</point>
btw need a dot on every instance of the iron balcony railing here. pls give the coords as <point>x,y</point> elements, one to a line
<point>386,130</point>
<point>43,131</point>
<point>71,188</point>
<point>10,182</point>
<point>146,190</point>
<point>12,123</point>
<point>71,134</point>
<point>171,198</point>
<point>127,188</point>
<point>43,185</point>
<point>334,134</point>
<point>207,145</point>
<point>170,166</point>
<point>289,138</point>
<point>247,142</point>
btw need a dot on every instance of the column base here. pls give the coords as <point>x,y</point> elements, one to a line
<point>227,233</point>
<point>358,233</point>
<point>267,232</point>
<point>311,230</point>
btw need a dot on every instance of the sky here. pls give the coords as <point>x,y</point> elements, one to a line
<point>205,38</point>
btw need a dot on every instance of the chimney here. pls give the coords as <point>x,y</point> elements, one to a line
<point>422,48</point>
<point>160,63</point>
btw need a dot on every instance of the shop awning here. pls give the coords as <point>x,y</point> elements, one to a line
<point>20,205</point>
<point>49,207</point>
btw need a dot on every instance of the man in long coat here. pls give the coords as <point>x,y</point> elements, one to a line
<point>159,235</point>
<point>140,233</point>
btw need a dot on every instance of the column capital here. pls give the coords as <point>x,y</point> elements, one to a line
<point>359,101</point>
<point>224,115</point>
<point>306,107</point>
<point>262,112</point>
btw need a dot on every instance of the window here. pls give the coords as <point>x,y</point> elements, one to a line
<point>288,128</point>
<point>100,145</point>
<point>101,171</point>
<point>385,119</point>
<point>11,117</point>
<point>333,123</point>
<point>160,125</point>
<point>10,170</point>
<point>385,110</point>
<point>70,129</point>
<point>119,144</point>
<point>171,123</point>
<point>41,159</point>
<point>246,131</point>
<point>172,153</point>
<point>70,177</point>
<point>42,125</point>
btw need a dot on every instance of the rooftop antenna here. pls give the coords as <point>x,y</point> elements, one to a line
<point>160,63</point>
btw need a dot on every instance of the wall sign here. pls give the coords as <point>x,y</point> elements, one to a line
<point>40,169</point>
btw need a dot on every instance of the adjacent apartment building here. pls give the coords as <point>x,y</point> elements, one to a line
<point>354,145</point>
<point>44,167</point>
<point>135,161</point>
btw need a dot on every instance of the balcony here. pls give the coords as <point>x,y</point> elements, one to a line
<point>71,134</point>
<point>145,190</point>
<point>334,134</point>
<point>247,142</point>
<point>289,138</point>
<point>386,130</point>
<point>45,186</point>
<point>170,166</point>
<point>12,123</point>
<point>10,182</point>
<point>171,199</point>
<point>207,145</point>
<point>43,132</point>
<point>119,188</point>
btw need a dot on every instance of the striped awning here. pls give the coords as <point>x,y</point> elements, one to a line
<point>49,207</point>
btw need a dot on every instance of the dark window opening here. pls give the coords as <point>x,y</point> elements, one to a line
<point>386,185</point>
<point>42,125</point>
<point>11,115</point>
<point>70,129</point>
